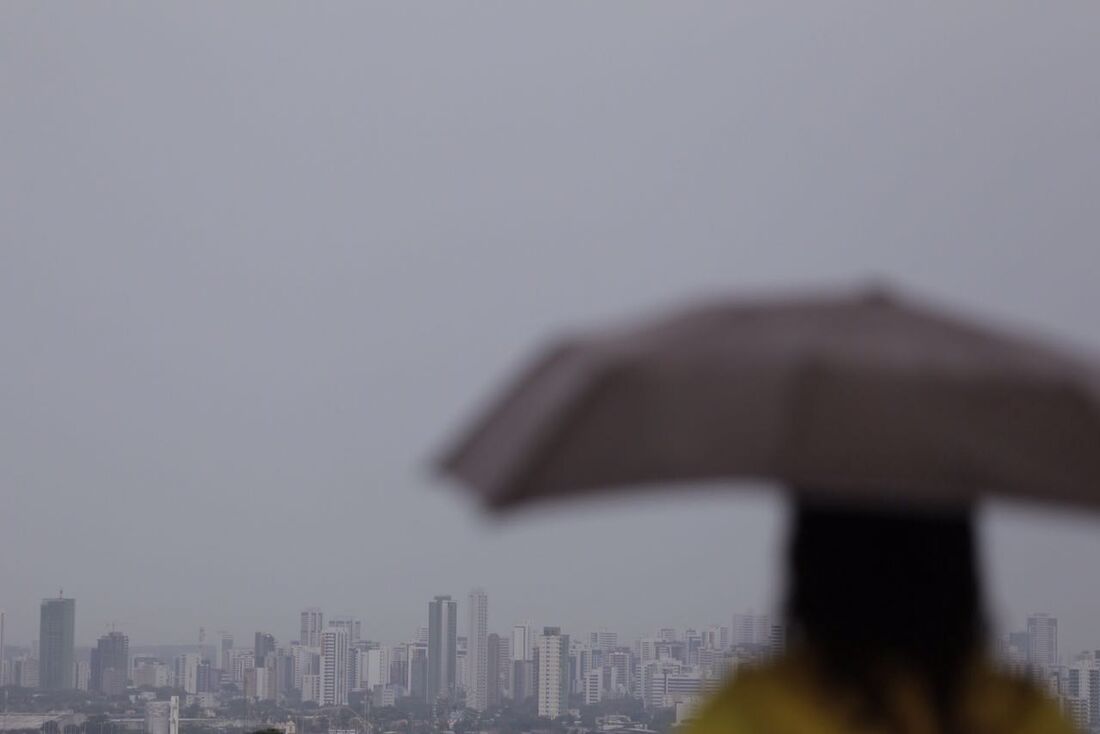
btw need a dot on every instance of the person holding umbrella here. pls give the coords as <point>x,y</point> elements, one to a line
<point>887,421</point>
<point>887,624</point>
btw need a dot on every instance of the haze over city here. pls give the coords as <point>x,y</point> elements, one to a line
<point>257,267</point>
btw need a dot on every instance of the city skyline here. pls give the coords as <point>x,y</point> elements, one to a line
<point>237,316</point>
<point>454,622</point>
<point>734,625</point>
<point>554,672</point>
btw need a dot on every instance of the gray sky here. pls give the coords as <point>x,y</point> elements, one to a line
<point>257,261</point>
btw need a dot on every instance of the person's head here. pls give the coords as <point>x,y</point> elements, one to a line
<point>875,587</point>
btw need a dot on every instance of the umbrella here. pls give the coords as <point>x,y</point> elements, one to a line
<point>862,395</point>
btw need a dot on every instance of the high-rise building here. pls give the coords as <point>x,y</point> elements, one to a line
<point>581,660</point>
<point>553,673</point>
<point>353,628</point>
<point>716,637</point>
<point>253,680</point>
<point>269,690</point>
<point>521,673</point>
<point>334,666</point>
<point>265,645</point>
<point>313,622</point>
<point>227,647</point>
<point>25,672</point>
<point>523,641</point>
<point>622,671</point>
<point>375,667</point>
<point>158,714</point>
<point>751,629</point>
<point>311,688</point>
<point>603,640</point>
<point>399,666</point>
<point>442,648</point>
<point>504,665</point>
<point>149,672</point>
<point>494,673</point>
<point>307,661</point>
<point>477,651</point>
<point>187,672</point>
<point>240,660</point>
<point>110,668</point>
<point>1082,692</point>
<point>523,677</point>
<point>3,660</point>
<point>162,717</point>
<point>1042,638</point>
<point>351,625</point>
<point>461,667</point>
<point>208,679</point>
<point>593,687</point>
<point>416,657</point>
<point>57,625</point>
<point>777,639</point>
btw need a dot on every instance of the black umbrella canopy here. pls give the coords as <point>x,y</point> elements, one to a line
<point>863,396</point>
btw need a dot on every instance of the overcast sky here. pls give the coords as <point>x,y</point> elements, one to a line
<point>259,260</point>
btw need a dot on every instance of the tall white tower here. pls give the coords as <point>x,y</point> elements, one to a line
<point>523,641</point>
<point>334,666</point>
<point>477,652</point>
<point>553,691</point>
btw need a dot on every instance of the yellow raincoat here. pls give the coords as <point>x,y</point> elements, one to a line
<point>787,697</point>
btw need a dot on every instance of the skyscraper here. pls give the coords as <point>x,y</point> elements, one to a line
<point>442,648</point>
<point>110,668</point>
<point>84,674</point>
<point>162,717</point>
<point>477,651</point>
<point>57,624</point>
<point>156,717</point>
<point>265,645</point>
<point>187,672</point>
<point>523,641</point>
<point>307,661</point>
<point>1042,638</point>
<point>504,664</point>
<point>351,625</point>
<point>603,640</point>
<point>521,676</point>
<point>227,648</point>
<point>494,673</point>
<point>334,666</point>
<point>751,629</point>
<point>416,666</point>
<point>553,673</point>
<point>313,622</point>
<point>375,670</point>
<point>353,628</point>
